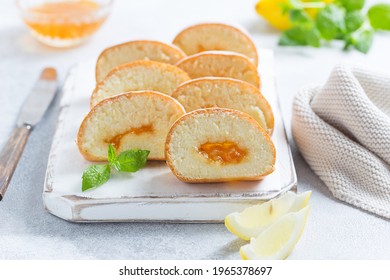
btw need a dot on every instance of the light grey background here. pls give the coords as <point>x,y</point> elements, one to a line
<point>334,230</point>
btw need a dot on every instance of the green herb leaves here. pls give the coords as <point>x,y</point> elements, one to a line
<point>127,161</point>
<point>340,20</point>
<point>352,5</point>
<point>330,22</point>
<point>95,176</point>
<point>302,33</point>
<point>361,40</point>
<point>379,16</point>
<point>300,36</point>
<point>354,20</point>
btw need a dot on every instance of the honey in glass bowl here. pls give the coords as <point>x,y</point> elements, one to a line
<point>64,23</point>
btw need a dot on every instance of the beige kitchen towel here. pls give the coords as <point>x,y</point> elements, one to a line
<point>343,131</point>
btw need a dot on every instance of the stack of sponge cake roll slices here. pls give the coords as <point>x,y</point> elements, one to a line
<point>196,104</point>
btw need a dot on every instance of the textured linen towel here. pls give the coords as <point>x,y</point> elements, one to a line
<point>343,131</point>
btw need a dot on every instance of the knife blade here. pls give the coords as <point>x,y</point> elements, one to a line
<point>39,98</point>
<point>32,111</point>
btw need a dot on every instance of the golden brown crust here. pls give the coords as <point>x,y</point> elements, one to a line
<point>167,47</point>
<point>194,57</point>
<point>243,84</point>
<point>145,63</point>
<point>129,95</point>
<point>247,38</point>
<point>221,111</point>
<point>199,181</point>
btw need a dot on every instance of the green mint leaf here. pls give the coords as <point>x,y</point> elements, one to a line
<point>299,17</point>
<point>132,160</point>
<point>330,22</point>
<point>362,41</point>
<point>352,5</point>
<point>301,36</point>
<point>95,176</point>
<point>354,20</point>
<point>379,16</point>
<point>112,159</point>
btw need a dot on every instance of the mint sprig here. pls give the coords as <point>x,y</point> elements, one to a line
<point>340,20</point>
<point>128,161</point>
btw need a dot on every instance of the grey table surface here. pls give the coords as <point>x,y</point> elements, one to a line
<point>335,230</point>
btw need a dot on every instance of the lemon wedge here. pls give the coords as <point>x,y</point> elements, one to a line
<point>278,240</point>
<point>255,219</point>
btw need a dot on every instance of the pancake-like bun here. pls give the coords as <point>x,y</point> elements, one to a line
<point>139,75</point>
<point>136,50</point>
<point>217,145</point>
<point>133,120</point>
<point>226,93</point>
<point>220,64</point>
<point>215,36</point>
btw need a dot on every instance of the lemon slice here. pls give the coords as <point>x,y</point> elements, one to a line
<point>255,219</point>
<point>277,241</point>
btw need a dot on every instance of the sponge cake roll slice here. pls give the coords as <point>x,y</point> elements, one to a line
<point>217,145</point>
<point>220,64</point>
<point>215,36</point>
<point>136,50</point>
<point>134,120</point>
<point>226,93</point>
<point>139,75</point>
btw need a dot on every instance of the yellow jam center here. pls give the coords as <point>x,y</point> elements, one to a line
<point>66,19</point>
<point>225,152</point>
<point>116,140</point>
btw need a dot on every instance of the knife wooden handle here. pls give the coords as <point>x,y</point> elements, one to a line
<point>10,155</point>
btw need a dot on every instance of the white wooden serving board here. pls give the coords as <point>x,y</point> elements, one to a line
<point>153,193</point>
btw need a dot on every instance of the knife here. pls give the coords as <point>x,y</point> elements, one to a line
<point>32,111</point>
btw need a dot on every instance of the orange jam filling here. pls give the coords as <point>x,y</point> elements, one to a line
<point>65,19</point>
<point>116,140</point>
<point>225,152</point>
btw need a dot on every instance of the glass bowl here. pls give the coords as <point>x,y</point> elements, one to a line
<point>64,23</point>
